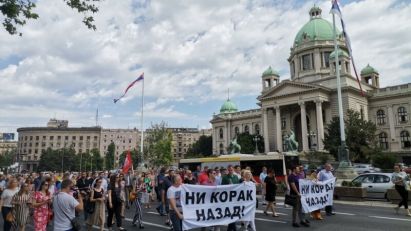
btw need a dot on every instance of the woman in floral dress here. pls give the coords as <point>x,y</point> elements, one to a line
<point>41,203</point>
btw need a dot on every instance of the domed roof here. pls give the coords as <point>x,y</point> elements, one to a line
<point>270,71</point>
<point>228,107</point>
<point>368,70</point>
<point>316,29</point>
<point>340,53</point>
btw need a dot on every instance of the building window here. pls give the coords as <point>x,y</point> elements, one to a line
<point>402,115</point>
<point>405,139</point>
<point>221,149</point>
<point>37,137</point>
<point>31,137</point>
<point>382,137</point>
<point>306,62</point>
<point>81,137</point>
<point>283,123</point>
<point>73,138</point>
<point>327,59</point>
<point>66,138</point>
<point>380,117</point>
<point>236,131</point>
<point>44,137</point>
<point>257,129</point>
<point>88,138</point>
<point>246,129</point>
<point>58,137</point>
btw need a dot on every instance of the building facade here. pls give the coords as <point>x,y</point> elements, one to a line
<point>182,140</point>
<point>306,102</point>
<point>32,141</point>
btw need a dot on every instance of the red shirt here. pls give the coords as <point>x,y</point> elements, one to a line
<point>203,178</point>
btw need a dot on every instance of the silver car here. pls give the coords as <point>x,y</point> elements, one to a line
<point>365,168</point>
<point>375,183</point>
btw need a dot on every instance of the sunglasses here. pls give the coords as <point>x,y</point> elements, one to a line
<point>46,184</point>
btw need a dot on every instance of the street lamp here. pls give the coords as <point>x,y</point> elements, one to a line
<point>256,139</point>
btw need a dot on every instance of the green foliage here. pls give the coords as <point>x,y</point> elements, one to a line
<point>351,184</point>
<point>245,140</point>
<point>16,12</point>
<point>316,158</point>
<point>158,145</point>
<point>109,157</point>
<point>385,161</point>
<point>134,156</point>
<point>203,147</point>
<point>7,157</point>
<point>360,137</point>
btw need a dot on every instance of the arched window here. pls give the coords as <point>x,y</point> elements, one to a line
<point>221,149</point>
<point>257,129</point>
<point>246,129</point>
<point>402,115</point>
<point>236,131</point>
<point>382,137</point>
<point>221,133</point>
<point>405,139</point>
<point>380,117</point>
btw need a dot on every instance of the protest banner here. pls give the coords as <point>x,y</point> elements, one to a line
<point>205,206</point>
<point>316,195</point>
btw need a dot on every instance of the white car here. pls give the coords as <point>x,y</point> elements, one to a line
<point>365,168</point>
<point>375,183</point>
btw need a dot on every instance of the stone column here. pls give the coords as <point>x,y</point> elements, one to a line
<point>278,129</point>
<point>391,122</point>
<point>304,131</point>
<point>320,125</point>
<point>265,131</point>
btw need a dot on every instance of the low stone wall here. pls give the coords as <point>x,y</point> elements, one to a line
<point>350,193</point>
<point>394,197</point>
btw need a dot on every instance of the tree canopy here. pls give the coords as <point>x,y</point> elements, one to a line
<point>158,145</point>
<point>17,12</point>
<point>247,143</point>
<point>360,137</point>
<point>203,147</point>
<point>7,157</point>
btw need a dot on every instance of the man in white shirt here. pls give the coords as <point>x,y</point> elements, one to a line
<point>324,175</point>
<point>263,175</point>
<point>173,196</point>
<point>65,206</point>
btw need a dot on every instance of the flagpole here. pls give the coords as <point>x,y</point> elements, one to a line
<point>343,151</point>
<point>141,164</point>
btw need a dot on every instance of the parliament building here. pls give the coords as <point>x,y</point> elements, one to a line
<point>307,101</point>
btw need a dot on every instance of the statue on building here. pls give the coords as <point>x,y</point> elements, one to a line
<point>234,146</point>
<point>290,143</point>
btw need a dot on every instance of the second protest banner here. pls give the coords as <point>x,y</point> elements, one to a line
<point>205,206</point>
<point>316,194</point>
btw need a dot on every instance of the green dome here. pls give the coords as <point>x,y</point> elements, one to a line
<point>341,53</point>
<point>228,107</point>
<point>270,71</point>
<point>368,70</point>
<point>316,29</point>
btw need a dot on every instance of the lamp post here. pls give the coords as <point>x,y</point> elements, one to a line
<point>256,139</point>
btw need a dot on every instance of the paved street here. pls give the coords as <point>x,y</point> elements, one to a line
<point>349,217</point>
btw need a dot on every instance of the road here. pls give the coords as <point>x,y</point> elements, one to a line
<point>349,217</point>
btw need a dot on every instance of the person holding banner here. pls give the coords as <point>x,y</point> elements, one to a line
<point>325,175</point>
<point>316,215</point>
<point>230,178</point>
<point>270,192</point>
<point>248,179</point>
<point>211,182</point>
<point>293,180</point>
<point>173,196</point>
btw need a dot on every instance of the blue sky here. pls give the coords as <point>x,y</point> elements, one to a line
<point>191,53</point>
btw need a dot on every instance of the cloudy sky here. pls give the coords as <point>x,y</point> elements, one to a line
<point>190,51</point>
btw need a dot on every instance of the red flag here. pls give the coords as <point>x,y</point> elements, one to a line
<point>128,162</point>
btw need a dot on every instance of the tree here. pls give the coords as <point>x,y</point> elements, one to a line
<point>360,137</point>
<point>16,12</point>
<point>7,157</point>
<point>385,161</point>
<point>64,159</point>
<point>247,143</point>
<point>134,156</point>
<point>203,147</point>
<point>158,148</point>
<point>109,157</point>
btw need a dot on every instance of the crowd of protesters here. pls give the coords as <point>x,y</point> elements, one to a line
<point>103,197</point>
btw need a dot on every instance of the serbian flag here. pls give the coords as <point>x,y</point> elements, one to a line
<point>128,162</point>
<point>335,9</point>
<point>141,77</point>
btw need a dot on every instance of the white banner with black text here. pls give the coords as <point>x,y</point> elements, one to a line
<point>205,206</point>
<point>316,194</point>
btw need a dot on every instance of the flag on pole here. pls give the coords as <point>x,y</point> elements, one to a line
<point>128,162</point>
<point>141,77</point>
<point>335,9</point>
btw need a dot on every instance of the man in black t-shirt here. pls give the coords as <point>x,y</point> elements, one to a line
<point>166,184</point>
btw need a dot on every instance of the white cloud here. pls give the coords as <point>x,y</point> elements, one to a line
<point>191,52</point>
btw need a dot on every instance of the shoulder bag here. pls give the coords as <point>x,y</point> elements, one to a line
<point>290,200</point>
<point>75,222</point>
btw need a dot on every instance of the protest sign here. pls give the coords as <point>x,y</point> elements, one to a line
<point>316,195</point>
<point>205,206</point>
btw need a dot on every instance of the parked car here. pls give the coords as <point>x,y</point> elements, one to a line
<point>375,183</point>
<point>365,168</point>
